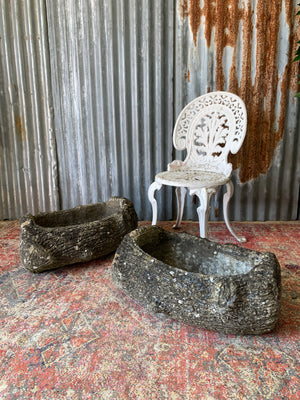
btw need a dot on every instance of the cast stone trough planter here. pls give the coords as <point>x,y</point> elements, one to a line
<point>55,239</point>
<point>221,287</point>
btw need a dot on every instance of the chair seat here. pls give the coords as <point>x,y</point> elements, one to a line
<point>191,178</point>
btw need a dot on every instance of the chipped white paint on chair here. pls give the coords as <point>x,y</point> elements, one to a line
<point>209,127</point>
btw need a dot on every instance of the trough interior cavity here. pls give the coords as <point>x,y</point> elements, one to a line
<point>76,216</point>
<point>201,257</point>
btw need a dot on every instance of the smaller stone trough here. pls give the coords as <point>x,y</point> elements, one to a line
<point>54,239</point>
<point>221,287</point>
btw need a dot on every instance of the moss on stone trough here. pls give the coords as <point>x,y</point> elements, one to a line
<point>221,287</point>
<point>55,239</point>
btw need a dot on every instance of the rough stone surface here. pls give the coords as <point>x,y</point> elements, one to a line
<point>54,239</point>
<point>221,287</point>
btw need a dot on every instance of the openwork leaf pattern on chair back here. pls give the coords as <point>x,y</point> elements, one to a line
<point>209,128</point>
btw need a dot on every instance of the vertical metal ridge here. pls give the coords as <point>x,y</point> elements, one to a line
<point>125,100</point>
<point>73,46</point>
<point>97,165</point>
<point>85,104</point>
<point>109,98</point>
<point>7,176</point>
<point>134,93</point>
<point>98,21</point>
<point>123,146</point>
<point>15,103</point>
<point>59,88</point>
<point>146,128</point>
<point>168,63</point>
<point>290,165</point>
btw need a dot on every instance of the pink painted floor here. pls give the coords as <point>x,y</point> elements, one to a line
<point>70,334</point>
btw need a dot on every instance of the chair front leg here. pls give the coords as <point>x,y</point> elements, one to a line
<point>203,210</point>
<point>226,198</point>
<point>180,195</point>
<point>152,188</point>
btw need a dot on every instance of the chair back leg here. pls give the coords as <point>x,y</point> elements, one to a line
<point>180,195</point>
<point>226,198</point>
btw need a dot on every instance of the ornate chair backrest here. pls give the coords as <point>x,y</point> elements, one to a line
<point>210,127</point>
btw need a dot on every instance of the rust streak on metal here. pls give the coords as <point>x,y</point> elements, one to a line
<point>187,76</point>
<point>295,66</point>
<point>259,95</point>
<point>21,132</point>
<point>183,8</point>
<point>289,11</point>
<point>220,18</point>
<point>270,79</point>
<point>195,18</point>
<point>262,135</point>
<point>244,89</point>
<point>227,16</point>
<point>209,13</point>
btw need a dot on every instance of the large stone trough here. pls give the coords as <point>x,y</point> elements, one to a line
<point>221,287</point>
<point>54,239</point>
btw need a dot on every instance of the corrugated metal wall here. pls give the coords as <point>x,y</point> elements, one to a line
<point>28,164</point>
<point>112,71</point>
<point>90,91</point>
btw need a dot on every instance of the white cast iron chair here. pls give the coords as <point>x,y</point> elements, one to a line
<point>209,127</point>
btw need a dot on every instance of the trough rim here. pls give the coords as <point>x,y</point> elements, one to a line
<point>31,219</point>
<point>266,257</point>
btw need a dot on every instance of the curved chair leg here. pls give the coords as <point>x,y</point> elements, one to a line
<point>152,188</point>
<point>203,210</point>
<point>180,195</point>
<point>226,198</point>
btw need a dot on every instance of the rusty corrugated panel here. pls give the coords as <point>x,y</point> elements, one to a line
<point>28,165</point>
<point>247,47</point>
<point>112,69</point>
